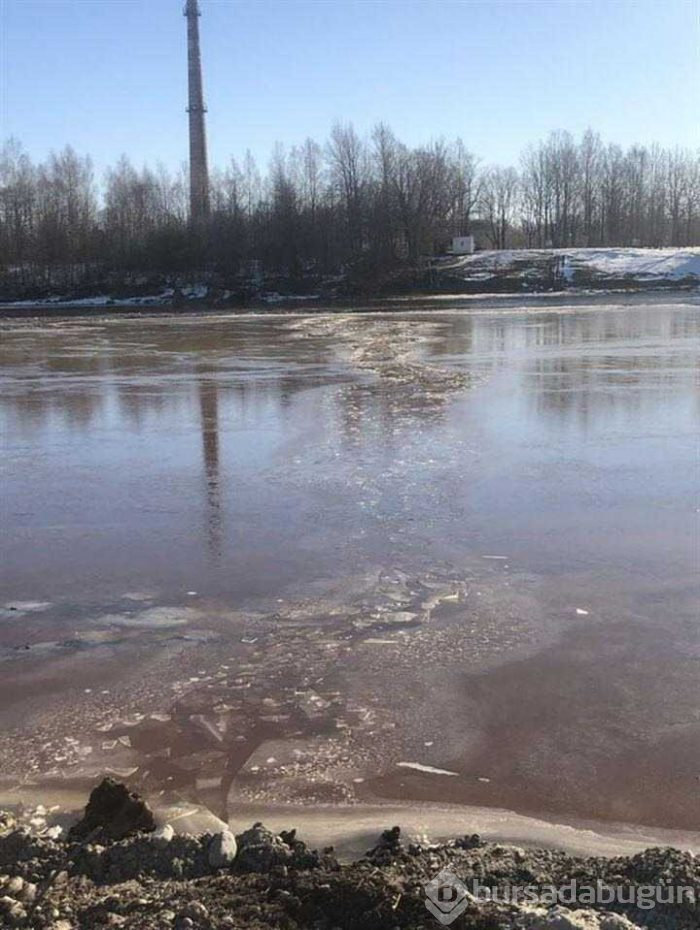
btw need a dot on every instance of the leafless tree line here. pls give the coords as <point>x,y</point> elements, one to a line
<point>371,204</point>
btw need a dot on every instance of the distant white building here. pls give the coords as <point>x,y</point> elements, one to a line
<point>462,245</point>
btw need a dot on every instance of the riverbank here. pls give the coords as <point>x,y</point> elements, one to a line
<point>579,299</point>
<point>115,868</point>
<point>532,272</point>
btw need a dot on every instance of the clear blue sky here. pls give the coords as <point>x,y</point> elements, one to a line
<point>109,76</point>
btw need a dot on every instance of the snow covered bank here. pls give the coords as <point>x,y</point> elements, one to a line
<point>638,264</point>
<point>532,268</point>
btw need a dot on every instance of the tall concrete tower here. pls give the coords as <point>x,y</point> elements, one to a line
<point>199,172</point>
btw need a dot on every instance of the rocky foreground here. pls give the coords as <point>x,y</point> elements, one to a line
<point>116,869</point>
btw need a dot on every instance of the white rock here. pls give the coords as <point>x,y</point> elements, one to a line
<point>222,850</point>
<point>15,885</point>
<point>163,835</point>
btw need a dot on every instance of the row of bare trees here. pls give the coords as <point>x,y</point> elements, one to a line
<point>364,203</point>
<point>593,194</point>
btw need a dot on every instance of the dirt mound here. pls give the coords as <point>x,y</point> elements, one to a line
<point>114,811</point>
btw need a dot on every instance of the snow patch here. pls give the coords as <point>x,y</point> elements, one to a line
<point>195,292</point>
<point>103,300</point>
<point>643,265</point>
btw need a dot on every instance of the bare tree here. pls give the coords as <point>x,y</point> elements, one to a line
<point>467,187</point>
<point>498,201</point>
<point>348,160</point>
<point>589,160</point>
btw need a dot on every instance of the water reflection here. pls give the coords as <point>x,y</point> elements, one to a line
<point>209,411</point>
<point>142,420</point>
<point>52,377</point>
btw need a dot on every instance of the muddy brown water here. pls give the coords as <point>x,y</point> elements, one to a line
<point>445,556</point>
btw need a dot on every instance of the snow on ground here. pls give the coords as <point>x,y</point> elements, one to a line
<point>102,300</point>
<point>57,301</point>
<point>668,264</point>
<point>276,298</point>
<point>644,265</point>
<point>195,292</point>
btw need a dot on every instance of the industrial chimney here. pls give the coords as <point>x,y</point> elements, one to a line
<point>199,173</point>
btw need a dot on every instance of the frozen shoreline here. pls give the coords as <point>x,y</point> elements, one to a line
<point>121,866</point>
<point>349,828</point>
<point>411,303</point>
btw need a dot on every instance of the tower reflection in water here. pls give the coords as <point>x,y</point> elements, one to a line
<point>208,390</point>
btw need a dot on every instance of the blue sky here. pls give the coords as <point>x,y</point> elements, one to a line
<point>109,76</point>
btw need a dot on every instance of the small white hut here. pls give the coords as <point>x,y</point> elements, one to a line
<point>462,245</point>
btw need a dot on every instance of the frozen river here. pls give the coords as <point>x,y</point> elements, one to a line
<point>440,556</point>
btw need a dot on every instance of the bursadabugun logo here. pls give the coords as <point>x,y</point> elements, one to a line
<point>446,897</point>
